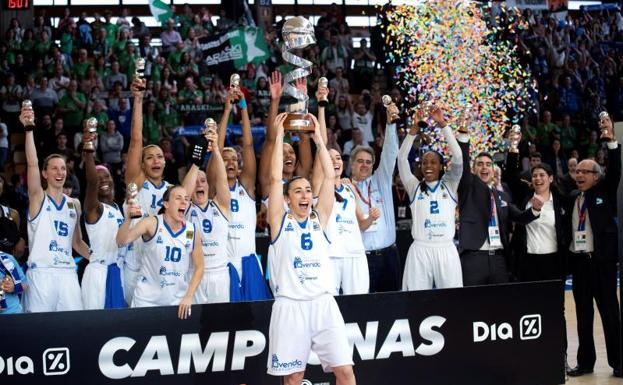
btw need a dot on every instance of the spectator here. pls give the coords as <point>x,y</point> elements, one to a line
<point>115,76</point>
<point>11,96</point>
<point>362,120</point>
<point>44,99</point>
<point>72,106</point>
<point>335,55</point>
<point>545,130</point>
<point>61,146</point>
<point>568,134</point>
<point>111,145</point>
<point>122,118</point>
<point>4,144</point>
<point>170,37</point>
<point>59,82</point>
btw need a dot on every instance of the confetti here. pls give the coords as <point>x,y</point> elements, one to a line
<point>460,57</point>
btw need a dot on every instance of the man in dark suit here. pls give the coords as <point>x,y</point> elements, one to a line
<point>485,215</point>
<point>594,243</point>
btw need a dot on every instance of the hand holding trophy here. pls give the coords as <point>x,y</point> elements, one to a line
<point>139,72</point>
<point>392,109</point>
<point>134,210</point>
<point>91,133</point>
<point>27,116</point>
<point>605,124</point>
<point>323,92</point>
<point>514,137</point>
<point>234,86</point>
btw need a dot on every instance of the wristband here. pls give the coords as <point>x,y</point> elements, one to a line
<point>422,124</point>
<point>29,127</point>
<point>242,104</point>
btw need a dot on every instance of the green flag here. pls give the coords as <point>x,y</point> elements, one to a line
<point>160,10</point>
<point>250,42</point>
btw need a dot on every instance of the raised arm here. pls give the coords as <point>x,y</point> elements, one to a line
<point>409,180</point>
<point>389,153</point>
<point>222,125</point>
<point>35,191</point>
<point>455,171</point>
<point>317,172</point>
<point>613,174</point>
<point>326,196</point>
<point>265,172</point>
<point>217,166</point>
<point>92,206</point>
<point>249,163</point>
<point>275,195</point>
<point>77,242</point>
<point>127,234</point>
<point>133,171</point>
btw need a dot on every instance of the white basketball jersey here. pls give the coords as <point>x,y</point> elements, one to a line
<point>164,275</point>
<point>243,221</point>
<point>50,234</point>
<point>433,214</point>
<point>149,199</point>
<point>299,263</point>
<point>103,234</point>
<point>213,226</point>
<point>343,228</point>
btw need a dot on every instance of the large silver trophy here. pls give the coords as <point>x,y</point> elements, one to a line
<point>234,85</point>
<point>297,33</point>
<point>133,206</point>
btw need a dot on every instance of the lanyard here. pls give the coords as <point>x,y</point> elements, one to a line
<point>400,195</point>
<point>492,216</point>
<point>366,201</point>
<point>582,212</point>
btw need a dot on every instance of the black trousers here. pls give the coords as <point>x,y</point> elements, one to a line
<point>596,279</point>
<point>481,267</point>
<point>541,267</point>
<point>384,268</point>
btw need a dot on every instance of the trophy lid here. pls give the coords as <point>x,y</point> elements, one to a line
<point>91,122</point>
<point>234,80</point>
<point>323,82</point>
<point>132,187</point>
<point>603,114</point>
<point>516,128</point>
<point>298,32</point>
<point>27,103</point>
<point>387,100</point>
<point>209,123</point>
<point>140,64</point>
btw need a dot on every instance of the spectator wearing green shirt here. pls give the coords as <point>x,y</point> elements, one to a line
<point>152,131</point>
<point>190,94</point>
<point>99,112</point>
<point>111,29</point>
<point>83,63</point>
<point>568,134</point>
<point>67,41</point>
<point>28,45</point>
<point>545,130</point>
<point>71,107</point>
<point>43,45</point>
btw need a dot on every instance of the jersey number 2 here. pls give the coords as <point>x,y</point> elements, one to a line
<point>434,207</point>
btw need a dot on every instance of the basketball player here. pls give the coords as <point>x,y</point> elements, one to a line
<point>432,257</point>
<point>211,219</point>
<point>347,252</point>
<point>305,315</point>
<point>169,245</point>
<point>247,276</point>
<point>52,232</point>
<point>145,167</point>
<point>101,282</point>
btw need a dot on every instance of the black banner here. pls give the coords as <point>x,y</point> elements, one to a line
<point>496,335</point>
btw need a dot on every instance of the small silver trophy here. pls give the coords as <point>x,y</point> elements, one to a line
<point>133,207</point>
<point>139,70</point>
<point>389,104</point>
<point>27,104</point>
<point>514,137</point>
<point>603,116</point>
<point>91,128</point>
<point>234,85</point>
<point>323,82</point>
<point>209,125</point>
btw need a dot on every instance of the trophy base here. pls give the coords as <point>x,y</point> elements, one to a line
<point>136,215</point>
<point>88,149</point>
<point>323,103</point>
<point>296,122</point>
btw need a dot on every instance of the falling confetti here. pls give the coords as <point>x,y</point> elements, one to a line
<point>456,55</point>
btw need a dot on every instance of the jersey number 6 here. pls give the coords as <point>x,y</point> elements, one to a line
<point>306,242</point>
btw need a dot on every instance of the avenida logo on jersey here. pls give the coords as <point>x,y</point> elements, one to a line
<point>279,366</point>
